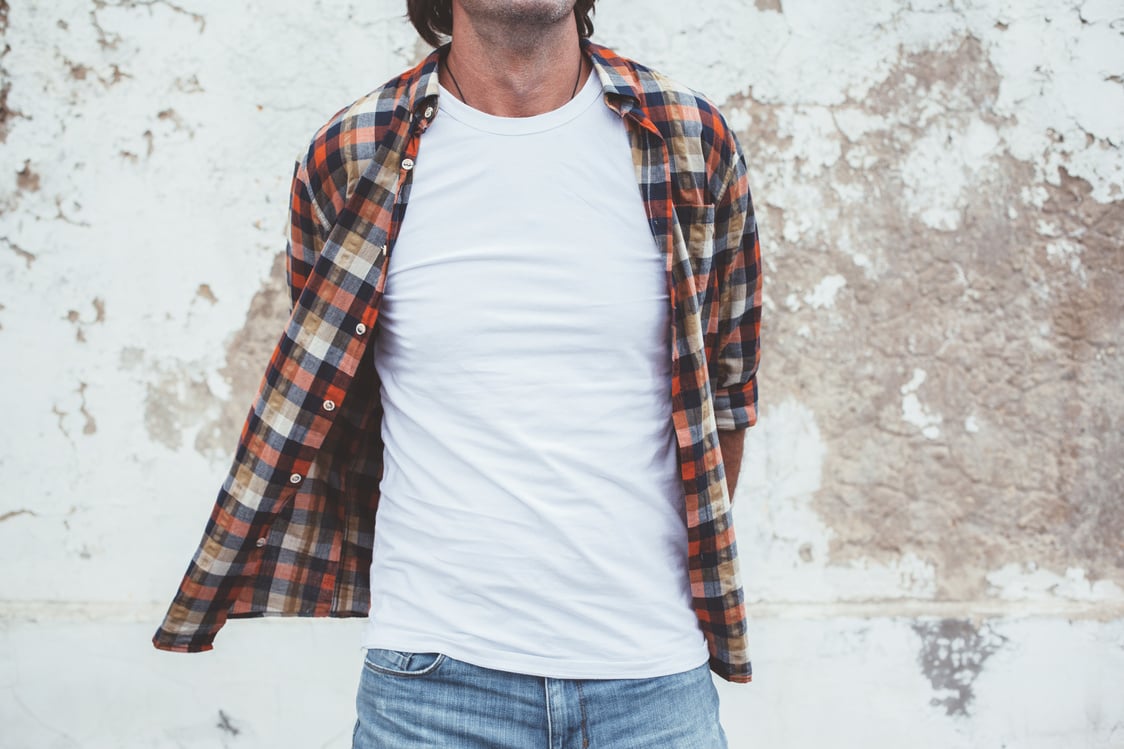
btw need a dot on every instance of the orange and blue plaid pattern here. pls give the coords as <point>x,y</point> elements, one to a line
<point>292,530</point>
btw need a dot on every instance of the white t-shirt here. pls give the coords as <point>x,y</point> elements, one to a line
<point>531,510</point>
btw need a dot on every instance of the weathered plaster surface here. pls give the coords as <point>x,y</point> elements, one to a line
<point>941,190</point>
<point>933,491</point>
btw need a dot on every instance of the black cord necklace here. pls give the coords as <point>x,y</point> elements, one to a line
<point>460,93</point>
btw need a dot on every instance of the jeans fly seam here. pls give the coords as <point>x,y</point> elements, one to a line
<point>581,705</point>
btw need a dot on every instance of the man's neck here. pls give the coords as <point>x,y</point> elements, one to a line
<point>513,70</point>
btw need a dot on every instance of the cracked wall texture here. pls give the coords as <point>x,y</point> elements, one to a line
<point>940,190</point>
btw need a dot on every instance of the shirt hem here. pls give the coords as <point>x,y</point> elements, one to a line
<point>532,666</point>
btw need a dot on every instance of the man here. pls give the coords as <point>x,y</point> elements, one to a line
<point>539,375</point>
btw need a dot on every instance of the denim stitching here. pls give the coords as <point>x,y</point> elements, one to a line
<point>381,669</point>
<point>581,704</point>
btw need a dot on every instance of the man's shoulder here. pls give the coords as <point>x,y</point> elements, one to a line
<point>331,161</point>
<point>686,118</point>
<point>366,117</point>
<point>689,121</point>
<point>665,99</point>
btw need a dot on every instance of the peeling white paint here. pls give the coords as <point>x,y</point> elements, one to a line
<point>1034,197</point>
<point>814,135</point>
<point>823,296</point>
<point>1022,581</point>
<point>1067,253</point>
<point>1048,228</point>
<point>861,261</point>
<point>1054,80</point>
<point>916,414</point>
<point>941,165</point>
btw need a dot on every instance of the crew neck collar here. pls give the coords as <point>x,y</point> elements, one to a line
<point>590,91</point>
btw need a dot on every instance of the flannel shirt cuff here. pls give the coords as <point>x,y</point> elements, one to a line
<point>736,407</point>
<point>198,643</point>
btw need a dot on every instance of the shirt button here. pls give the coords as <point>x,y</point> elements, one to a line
<point>428,112</point>
<point>329,405</point>
<point>407,164</point>
<point>260,542</point>
<point>295,478</point>
<point>360,329</point>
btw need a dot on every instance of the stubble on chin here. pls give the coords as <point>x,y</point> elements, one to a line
<point>525,14</point>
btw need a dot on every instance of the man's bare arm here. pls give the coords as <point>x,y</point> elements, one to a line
<point>731,443</point>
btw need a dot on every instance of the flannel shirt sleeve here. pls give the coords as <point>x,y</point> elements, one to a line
<point>204,598</point>
<point>737,256</point>
<point>307,232</point>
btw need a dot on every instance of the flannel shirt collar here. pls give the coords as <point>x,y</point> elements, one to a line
<point>422,89</point>
<point>622,88</point>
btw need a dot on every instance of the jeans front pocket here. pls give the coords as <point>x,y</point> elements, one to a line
<point>402,662</point>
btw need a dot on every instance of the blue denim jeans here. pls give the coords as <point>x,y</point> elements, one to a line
<point>408,700</point>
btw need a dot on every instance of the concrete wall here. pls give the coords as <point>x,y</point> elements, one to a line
<point>930,511</point>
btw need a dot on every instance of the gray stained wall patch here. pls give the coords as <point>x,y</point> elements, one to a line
<point>953,652</point>
<point>225,725</point>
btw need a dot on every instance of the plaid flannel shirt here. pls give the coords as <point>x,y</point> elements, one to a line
<point>292,530</point>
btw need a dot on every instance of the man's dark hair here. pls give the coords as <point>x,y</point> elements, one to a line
<point>434,18</point>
